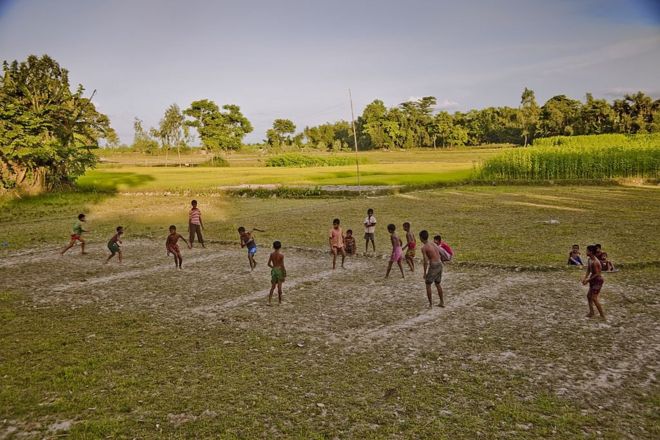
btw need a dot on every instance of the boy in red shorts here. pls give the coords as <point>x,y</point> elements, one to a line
<point>173,248</point>
<point>76,235</point>
<point>595,280</point>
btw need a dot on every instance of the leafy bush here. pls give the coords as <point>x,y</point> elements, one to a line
<point>304,160</point>
<point>579,157</point>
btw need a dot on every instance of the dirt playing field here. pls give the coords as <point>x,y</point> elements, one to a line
<point>523,325</point>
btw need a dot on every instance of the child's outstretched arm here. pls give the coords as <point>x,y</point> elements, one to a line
<point>185,241</point>
<point>258,230</point>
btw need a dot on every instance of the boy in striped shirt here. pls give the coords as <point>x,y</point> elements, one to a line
<point>195,224</point>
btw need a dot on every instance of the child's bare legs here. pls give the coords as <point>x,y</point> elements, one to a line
<point>596,302</point>
<point>411,263</point>
<point>429,294</point>
<point>343,257</point>
<point>270,295</point>
<point>82,246</point>
<point>279,292</point>
<point>120,257</point>
<point>69,246</point>
<point>440,294</point>
<point>253,263</point>
<point>389,268</point>
<point>401,267</point>
<point>334,258</point>
<point>593,300</point>
<point>109,258</point>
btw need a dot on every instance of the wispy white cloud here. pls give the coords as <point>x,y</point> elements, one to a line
<point>448,104</point>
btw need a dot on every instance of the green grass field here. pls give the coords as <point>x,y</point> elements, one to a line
<point>140,350</point>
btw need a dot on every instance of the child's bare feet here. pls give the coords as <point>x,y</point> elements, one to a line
<point>589,315</point>
<point>441,305</point>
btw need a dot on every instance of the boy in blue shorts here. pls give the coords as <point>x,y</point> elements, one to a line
<point>247,240</point>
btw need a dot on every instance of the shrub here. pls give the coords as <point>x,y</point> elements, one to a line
<point>304,160</point>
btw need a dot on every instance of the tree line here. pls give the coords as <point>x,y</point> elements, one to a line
<point>48,130</point>
<point>415,124</point>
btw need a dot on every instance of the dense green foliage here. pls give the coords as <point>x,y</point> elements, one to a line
<point>218,130</point>
<point>46,130</point>
<point>305,160</point>
<point>415,124</point>
<point>579,157</point>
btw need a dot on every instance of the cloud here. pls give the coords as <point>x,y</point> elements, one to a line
<point>618,92</point>
<point>448,104</point>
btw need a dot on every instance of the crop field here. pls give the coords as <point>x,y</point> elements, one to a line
<point>142,350</point>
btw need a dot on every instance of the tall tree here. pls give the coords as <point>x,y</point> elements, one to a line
<point>559,116</point>
<point>281,132</point>
<point>218,130</point>
<point>596,116</point>
<point>46,130</point>
<point>529,115</point>
<point>142,140</point>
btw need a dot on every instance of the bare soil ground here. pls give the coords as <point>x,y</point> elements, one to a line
<point>532,322</point>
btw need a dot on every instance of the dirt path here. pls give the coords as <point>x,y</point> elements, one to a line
<point>532,322</point>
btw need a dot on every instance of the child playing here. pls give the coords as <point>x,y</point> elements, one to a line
<point>595,281</point>
<point>173,248</point>
<point>336,240</point>
<point>77,235</point>
<point>432,267</point>
<point>349,243</point>
<point>369,230</point>
<point>277,272</point>
<point>397,252</point>
<point>445,255</point>
<point>605,263</point>
<point>247,240</point>
<point>574,256</point>
<point>195,225</point>
<point>411,244</point>
<point>114,244</point>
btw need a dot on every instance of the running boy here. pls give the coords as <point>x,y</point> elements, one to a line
<point>172,246</point>
<point>114,244</point>
<point>195,225</point>
<point>336,241</point>
<point>369,230</point>
<point>595,280</point>
<point>397,252</point>
<point>277,272</point>
<point>349,243</point>
<point>410,246</point>
<point>432,267</point>
<point>574,256</point>
<point>77,235</point>
<point>247,240</point>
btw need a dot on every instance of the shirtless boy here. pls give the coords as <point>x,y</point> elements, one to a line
<point>432,268</point>
<point>397,251</point>
<point>595,280</point>
<point>114,244</point>
<point>336,241</point>
<point>172,246</point>
<point>277,272</point>
<point>247,240</point>
<point>410,246</point>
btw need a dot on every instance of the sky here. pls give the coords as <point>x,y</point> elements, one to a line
<point>297,59</point>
